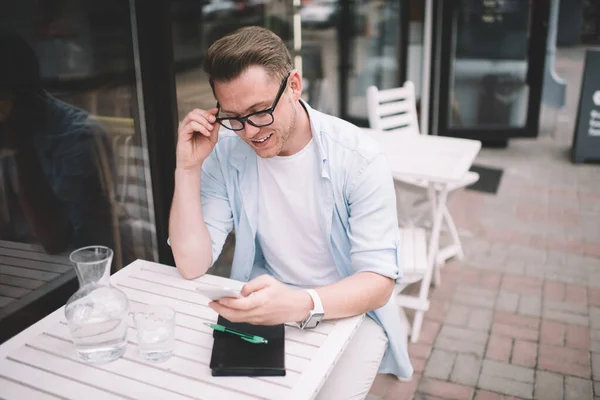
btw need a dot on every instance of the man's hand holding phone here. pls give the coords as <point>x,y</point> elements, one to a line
<point>218,293</point>
<point>265,301</point>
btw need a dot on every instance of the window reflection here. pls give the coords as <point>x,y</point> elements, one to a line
<point>194,30</point>
<point>73,170</point>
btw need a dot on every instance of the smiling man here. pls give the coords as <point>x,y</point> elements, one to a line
<point>312,202</point>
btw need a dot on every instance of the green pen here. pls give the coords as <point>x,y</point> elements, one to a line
<point>245,336</point>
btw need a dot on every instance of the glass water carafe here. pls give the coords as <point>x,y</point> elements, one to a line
<point>97,313</point>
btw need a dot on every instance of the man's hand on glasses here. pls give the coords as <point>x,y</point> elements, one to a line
<point>196,137</point>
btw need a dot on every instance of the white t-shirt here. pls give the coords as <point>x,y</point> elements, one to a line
<point>290,229</point>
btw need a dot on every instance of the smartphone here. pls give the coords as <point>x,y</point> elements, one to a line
<point>216,293</point>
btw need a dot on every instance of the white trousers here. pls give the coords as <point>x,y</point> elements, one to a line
<point>356,369</point>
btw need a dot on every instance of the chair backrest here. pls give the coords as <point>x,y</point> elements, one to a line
<point>393,109</point>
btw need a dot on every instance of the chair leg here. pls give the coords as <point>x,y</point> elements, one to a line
<point>454,233</point>
<point>416,326</point>
<point>455,249</point>
<point>437,277</point>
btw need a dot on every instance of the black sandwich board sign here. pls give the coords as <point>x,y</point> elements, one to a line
<point>586,140</point>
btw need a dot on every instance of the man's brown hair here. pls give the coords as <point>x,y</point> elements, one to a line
<point>232,54</point>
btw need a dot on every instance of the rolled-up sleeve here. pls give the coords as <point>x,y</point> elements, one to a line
<point>216,208</point>
<point>373,219</point>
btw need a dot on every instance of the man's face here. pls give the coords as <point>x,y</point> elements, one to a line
<point>254,90</point>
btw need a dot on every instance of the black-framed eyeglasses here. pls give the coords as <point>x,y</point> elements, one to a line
<point>258,119</point>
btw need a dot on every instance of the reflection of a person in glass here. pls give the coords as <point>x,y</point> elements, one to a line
<point>50,188</point>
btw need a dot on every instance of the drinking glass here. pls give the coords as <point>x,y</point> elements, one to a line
<point>155,326</point>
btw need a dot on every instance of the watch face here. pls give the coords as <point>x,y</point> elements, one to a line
<point>314,320</point>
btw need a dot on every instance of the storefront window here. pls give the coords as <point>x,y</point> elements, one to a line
<point>73,164</point>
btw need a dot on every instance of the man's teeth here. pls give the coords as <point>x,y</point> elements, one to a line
<point>263,139</point>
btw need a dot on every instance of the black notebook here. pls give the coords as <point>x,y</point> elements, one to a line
<point>233,356</point>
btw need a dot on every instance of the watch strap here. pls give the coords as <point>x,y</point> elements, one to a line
<point>318,306</point>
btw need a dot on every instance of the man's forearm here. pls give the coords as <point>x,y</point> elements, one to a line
<point>354,295</point>
<point>190,240</point>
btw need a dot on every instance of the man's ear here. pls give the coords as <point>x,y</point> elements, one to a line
<point>295,83</point>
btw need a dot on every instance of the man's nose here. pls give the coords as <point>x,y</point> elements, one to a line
<point>250,131</point>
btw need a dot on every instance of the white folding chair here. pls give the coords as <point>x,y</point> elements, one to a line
<point>395,110</point>
<point>415,261</point>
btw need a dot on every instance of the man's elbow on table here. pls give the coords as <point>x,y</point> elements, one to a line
<point>384,290</point>
<point>189,273</point>
<point>191,267</point>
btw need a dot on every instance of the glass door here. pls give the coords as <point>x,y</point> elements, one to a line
<point>492,67</point>
<point>348,46</point>
<point>376,53</point>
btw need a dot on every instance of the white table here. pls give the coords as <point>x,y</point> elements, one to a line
<point>437,159</point>
<point>41,363</point>
<point>441,161</point>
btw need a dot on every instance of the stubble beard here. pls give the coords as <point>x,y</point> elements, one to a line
<point>289,132</point>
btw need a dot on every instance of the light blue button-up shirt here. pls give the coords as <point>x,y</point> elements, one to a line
<point>358,209</point>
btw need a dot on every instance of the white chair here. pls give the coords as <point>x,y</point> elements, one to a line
<point>415,261</point>
<point>395,110</point>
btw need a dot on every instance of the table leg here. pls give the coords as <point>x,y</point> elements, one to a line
<point>432,271</point>
<point>436,229</point>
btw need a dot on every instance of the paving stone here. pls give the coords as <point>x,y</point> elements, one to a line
<point>499,348</point>
<point>535,270</point>
<point>594,317</point>
<point>548,386</point>
<point>463,333</point>
<point>577,388</point>
<point>508,371</point>
<point>474,297</point>
<point>446,390</point>
<point>515,332</point>
<point>466,370</point>
<point>530,305</point>
<point>554,257</point>
<point>596,366</point>
<point>568,313</point>
<point>440,364</point>
<point>524,353</point>
<point>506,386</point>
<point>507,301</point>
<point>460,340</point>
<point>576,294</point>
<point>522,284</point>
<point>480,319</point>
<point>516,320</point>
<point>595,341</point>
<point>527,254</point>
<point>578,337</point>
<point>552,332</point>
<point>564,360</point>
<point>554,291</point>
<point>515,268</point>
<point>457,314</point>
<point>563,306</point>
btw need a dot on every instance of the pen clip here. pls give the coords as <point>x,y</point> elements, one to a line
<point>254,339</point>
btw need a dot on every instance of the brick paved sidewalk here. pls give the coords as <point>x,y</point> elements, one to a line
<point>519,317</point>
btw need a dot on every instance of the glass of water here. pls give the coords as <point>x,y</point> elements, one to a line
<point>155,326</point>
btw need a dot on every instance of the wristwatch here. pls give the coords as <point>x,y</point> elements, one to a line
<point>315,315</point>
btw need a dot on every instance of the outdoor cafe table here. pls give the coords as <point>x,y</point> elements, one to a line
<point>440,161</point>
<point>41,363</point>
